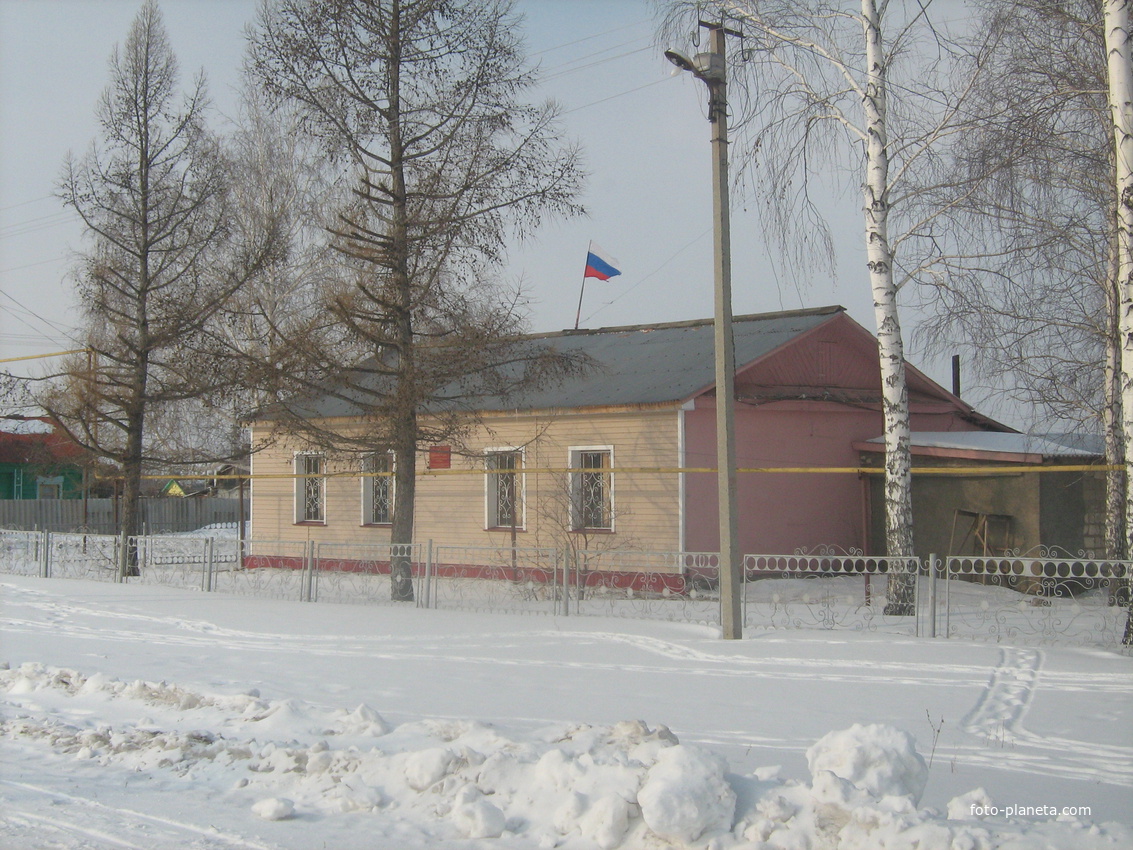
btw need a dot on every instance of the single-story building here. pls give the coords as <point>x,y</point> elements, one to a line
<point>621,455</point>
<point>38,461</point>
<point>958,511</point>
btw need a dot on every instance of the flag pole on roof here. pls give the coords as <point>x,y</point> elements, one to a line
<point>600,265</point>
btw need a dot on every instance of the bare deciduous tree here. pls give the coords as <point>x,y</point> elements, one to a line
<point>164,258</point>
<point>421,103</point>
<point>1032,295</point>
<point>818,78</point>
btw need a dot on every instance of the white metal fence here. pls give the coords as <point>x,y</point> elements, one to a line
<point>1040,597</point>
<point>829,588</point>
<point>1034,598</point>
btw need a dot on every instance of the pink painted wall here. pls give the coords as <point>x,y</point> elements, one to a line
<point>804,405</point>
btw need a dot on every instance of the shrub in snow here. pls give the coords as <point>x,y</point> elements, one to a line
<point>274,808</point>
<point>879,760</point>
<point>685,794</point>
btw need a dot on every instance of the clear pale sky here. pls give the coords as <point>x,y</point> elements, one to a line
<point>643,129</point>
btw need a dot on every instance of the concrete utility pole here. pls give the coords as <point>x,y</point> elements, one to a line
<point>710,68</point>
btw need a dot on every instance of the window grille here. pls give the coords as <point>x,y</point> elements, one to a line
<point>504,497</point>
<point>591,490</point>
<point>377,490</point>
<point>310,488</point>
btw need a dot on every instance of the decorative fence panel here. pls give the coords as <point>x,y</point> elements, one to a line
<point>828,589</point>
<point>519,580</point>
<point>345,572</point>
<point>1036,598</point>
<point>276,569</point>
<point>680,586</point>
<point>176,561</point>
<point>23,553</point>
<point>89,556</point>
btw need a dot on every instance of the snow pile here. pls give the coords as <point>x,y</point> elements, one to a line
<point>879,760</point>
<point>571,786</point>
<point>684,795</point>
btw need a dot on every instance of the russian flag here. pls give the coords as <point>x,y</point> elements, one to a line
<point>599,264</point>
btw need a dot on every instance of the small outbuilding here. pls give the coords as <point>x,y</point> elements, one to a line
<point>38,461</point>
<point>990,493</point>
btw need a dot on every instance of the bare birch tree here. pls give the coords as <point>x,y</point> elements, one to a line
<point>817,76</point>
<point>421,102</point>
<point>1118,23</point>
<point>164,257</point>
<point>1032,295</point>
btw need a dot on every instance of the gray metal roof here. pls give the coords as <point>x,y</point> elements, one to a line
<point>655,364</point>
<point>640,364</point>
<point>992,441</point>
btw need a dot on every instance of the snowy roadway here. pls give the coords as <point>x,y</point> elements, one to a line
<point>471,721</point>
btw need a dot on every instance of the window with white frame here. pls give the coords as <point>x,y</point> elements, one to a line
<point>504,488</point>
<point>377,489</point>
<point>310,488</point>
<point>592,489</point>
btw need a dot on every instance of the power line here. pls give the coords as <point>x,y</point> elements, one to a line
<point>613,96</point>
<point>25,203</point>
<point>555,74</point>
<point>31,312</point>
<point>589,37</point>
<point>33,265</point>
<point>34,225</point>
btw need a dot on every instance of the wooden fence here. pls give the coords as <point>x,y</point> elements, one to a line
<point>100,516</point>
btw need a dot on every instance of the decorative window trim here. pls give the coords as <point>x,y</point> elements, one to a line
<point>310,484</point>
<point>491,489</point>
<point>49,487</point>
<point>575,460</point>
<point>370,489</point>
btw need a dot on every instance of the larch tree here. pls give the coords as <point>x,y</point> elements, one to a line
<point>163,258</point>
<point>814,80</point>
<point>421,105</point>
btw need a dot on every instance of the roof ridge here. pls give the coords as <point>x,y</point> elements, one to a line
<point>689,323</point>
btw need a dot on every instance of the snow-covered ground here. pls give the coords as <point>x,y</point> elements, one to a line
<point>143,716</point>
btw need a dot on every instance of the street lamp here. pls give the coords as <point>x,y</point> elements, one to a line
<point>710,68</point>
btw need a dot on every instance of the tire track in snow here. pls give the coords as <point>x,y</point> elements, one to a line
<point>108,817</point>
<point>776,669</point>
<point>42,827</point>
<point>382,648</point>
<point>185,632</point>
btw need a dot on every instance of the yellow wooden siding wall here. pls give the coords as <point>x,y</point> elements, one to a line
<point>451,507</point>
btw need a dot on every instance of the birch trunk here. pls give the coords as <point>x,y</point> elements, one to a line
<point>1112,427</point>
<point>1119,59</point>
<point>879,254</point>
